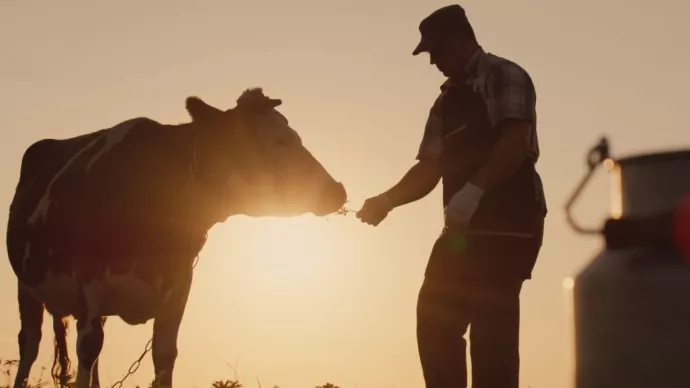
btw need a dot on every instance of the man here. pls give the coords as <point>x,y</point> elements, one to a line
<point>481,141</point>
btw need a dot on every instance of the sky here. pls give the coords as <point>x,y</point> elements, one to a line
<point>298,302</point>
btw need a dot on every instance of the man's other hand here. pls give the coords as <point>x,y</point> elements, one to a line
<point>462,206</point>
<point>375,209</point>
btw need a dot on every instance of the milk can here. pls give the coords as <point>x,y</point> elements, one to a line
<point>630,304</point>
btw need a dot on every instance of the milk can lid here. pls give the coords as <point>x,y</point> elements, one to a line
<point>656,157</point>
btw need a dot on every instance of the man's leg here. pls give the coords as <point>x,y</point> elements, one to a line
<point>442,321</point>
<point>495,334</point>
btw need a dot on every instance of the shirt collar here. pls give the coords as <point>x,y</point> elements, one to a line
<point>471,68</point>
<point>473,65</point>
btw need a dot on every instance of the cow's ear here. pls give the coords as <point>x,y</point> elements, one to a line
<point>201,111</point>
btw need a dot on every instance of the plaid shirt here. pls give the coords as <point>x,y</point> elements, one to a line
<point>507,91</point>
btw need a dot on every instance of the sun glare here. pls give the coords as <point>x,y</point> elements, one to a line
<point>292,247</point>
<point>288,258</point>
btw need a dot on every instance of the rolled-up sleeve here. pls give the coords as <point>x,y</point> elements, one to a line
<point>432,139</point>
<point>511,94</point>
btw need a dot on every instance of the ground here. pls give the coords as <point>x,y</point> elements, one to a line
<point>43,380</point>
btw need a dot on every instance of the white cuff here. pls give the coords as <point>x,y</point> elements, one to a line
<point>472,191</point>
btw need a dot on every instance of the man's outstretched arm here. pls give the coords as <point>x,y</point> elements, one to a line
<point>423,177</point>
<point>417,183</point>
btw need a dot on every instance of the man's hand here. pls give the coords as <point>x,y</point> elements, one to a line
<point>462,206</point>
<point>375,209</point>
<point>419,181</point>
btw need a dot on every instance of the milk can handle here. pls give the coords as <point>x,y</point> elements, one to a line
<point>597,155</point>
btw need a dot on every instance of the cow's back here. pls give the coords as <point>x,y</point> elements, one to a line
<point>55,183</point>
<point>40,162</point>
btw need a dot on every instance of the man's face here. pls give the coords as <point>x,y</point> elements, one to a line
<point>448,57</point>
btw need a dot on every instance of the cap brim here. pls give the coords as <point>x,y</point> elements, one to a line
<point>425,46</point>
<point>421,47</point>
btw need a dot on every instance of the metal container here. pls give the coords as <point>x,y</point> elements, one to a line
<point>630,304</point>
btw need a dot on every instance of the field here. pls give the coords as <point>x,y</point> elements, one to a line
<point>44,379</point>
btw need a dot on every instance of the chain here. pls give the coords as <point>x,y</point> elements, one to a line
<point>135,365</point>
<point>149,345</point>
<point>133,368</point>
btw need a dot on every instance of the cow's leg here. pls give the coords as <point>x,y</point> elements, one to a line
<point>89,335</point>
<point>62,357</point>
<point>95,379</point>
<point>89,345</point>
<point>166,326</point>
<point>61,365</point>
<point>31,316</point>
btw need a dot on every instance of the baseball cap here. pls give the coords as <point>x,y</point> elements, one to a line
<point>439,25</point>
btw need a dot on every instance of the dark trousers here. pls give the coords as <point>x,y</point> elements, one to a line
<point>491,310</point>
<point>475,285</point>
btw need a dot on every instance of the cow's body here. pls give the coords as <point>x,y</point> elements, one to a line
<point>80,234</point>
<point>109,224</point>
<point>91,231</point>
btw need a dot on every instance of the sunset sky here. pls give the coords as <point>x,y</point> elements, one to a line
<point>298,302</point>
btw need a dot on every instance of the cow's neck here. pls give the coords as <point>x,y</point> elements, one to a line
<point>209,196</point>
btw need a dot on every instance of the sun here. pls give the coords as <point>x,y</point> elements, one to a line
<point>292,247</point>
<point>281,258</point>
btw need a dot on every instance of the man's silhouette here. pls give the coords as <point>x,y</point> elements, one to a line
<point>481,141</point>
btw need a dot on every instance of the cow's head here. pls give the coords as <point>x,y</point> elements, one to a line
<point>252,155</point>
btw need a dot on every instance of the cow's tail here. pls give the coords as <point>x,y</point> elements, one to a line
<point>61,362</point>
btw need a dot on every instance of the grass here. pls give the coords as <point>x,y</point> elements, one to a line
<point>7,368</point>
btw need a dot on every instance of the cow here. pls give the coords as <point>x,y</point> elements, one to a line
<point>109,223</point>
